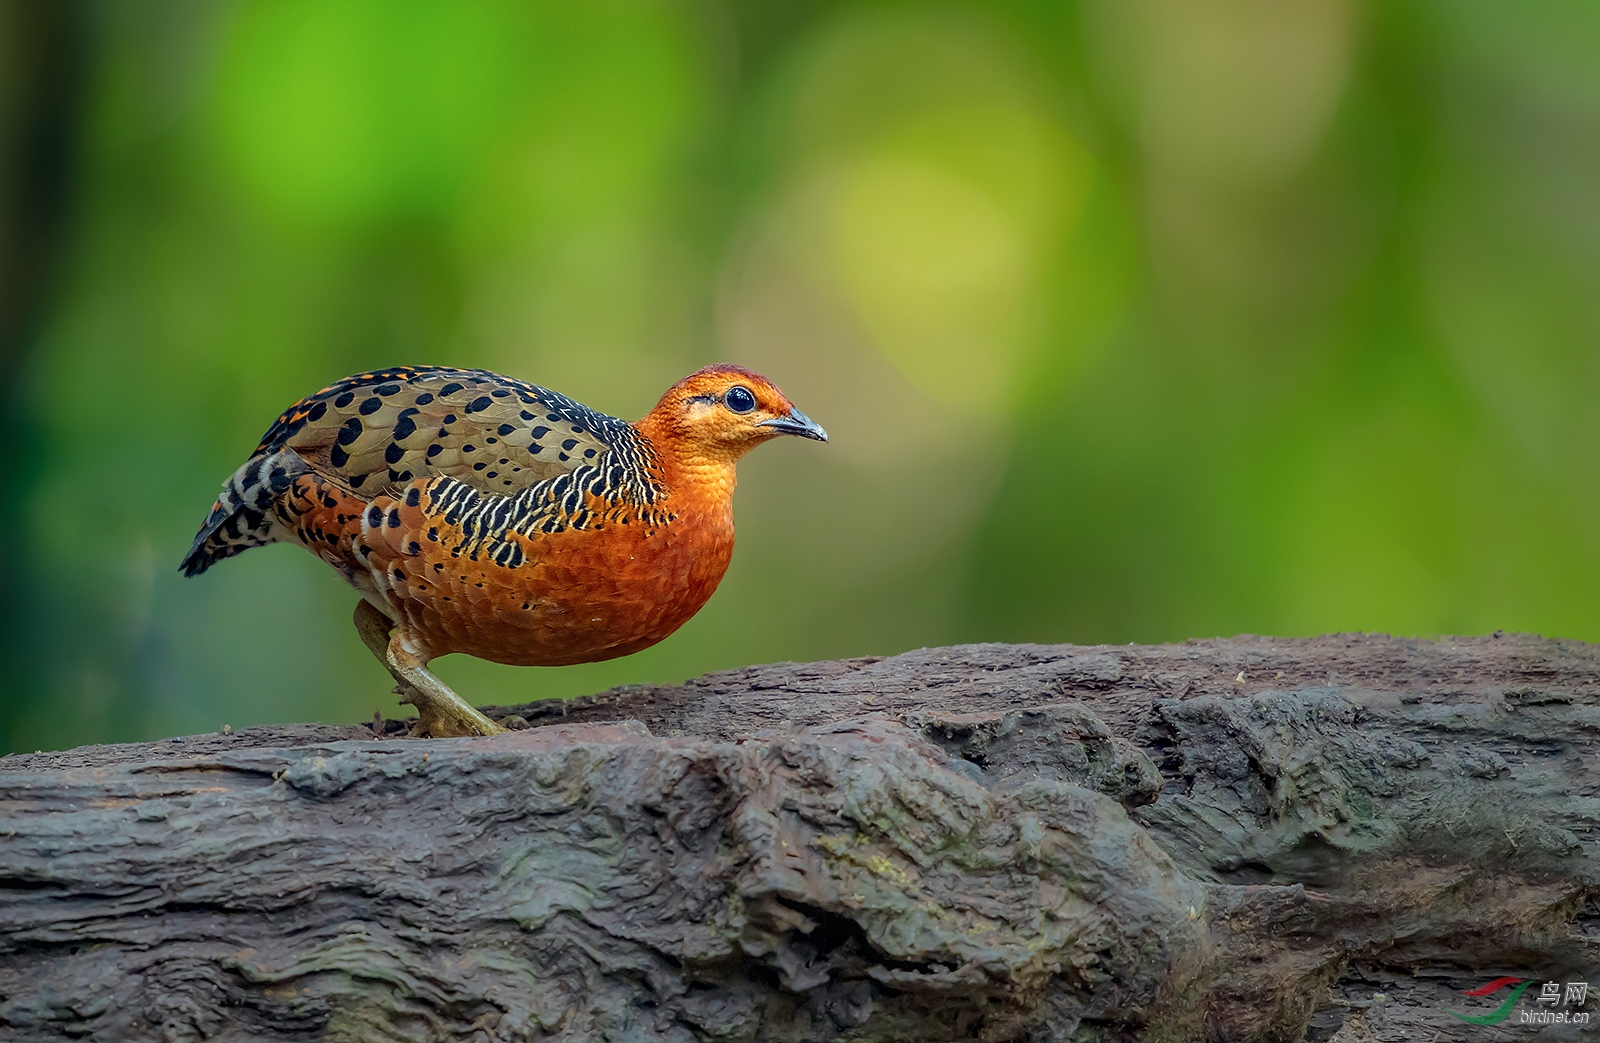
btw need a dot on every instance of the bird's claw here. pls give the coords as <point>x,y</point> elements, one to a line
<point>437,722</point>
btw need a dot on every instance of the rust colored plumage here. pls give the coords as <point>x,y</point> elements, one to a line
<point>475,513</point>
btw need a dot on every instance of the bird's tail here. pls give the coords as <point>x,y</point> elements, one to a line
<point>243,516</point>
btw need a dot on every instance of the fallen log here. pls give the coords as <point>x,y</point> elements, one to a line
<point>1249,839</point>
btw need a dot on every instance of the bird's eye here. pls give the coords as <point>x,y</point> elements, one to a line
<point>739,399</point>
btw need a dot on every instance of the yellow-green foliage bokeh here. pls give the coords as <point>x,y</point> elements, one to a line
<point>1130,321</point>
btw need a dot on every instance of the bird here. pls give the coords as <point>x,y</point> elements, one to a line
<point>475,513</point>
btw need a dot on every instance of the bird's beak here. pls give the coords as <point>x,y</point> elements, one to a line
<point>796,423</point>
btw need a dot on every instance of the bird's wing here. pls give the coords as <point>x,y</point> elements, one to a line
<point>378,430</point>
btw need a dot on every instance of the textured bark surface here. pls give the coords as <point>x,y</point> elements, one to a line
<point>1243,839</point>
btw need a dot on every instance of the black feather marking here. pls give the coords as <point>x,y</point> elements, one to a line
<point>623,471</point>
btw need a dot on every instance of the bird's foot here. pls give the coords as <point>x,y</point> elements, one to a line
<point>441,713</point>
<point>444,718</point>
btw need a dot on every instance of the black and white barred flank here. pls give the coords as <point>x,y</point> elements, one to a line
<point>556,505</point>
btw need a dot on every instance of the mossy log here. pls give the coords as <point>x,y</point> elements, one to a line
<point>1248,839</point>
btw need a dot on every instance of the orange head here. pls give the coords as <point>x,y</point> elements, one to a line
<point>719,413</point>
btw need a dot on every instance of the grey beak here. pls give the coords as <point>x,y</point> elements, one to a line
<point>796,423</point>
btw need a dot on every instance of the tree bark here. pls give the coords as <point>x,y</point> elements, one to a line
<point>1250,839</point>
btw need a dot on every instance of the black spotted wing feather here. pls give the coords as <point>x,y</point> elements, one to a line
<point>377,430</point>
<point>502,451</point>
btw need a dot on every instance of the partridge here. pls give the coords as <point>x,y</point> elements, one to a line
<point>475,513</point>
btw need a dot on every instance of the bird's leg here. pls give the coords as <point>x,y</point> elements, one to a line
<point>440,711</point>
<point>374,628</point>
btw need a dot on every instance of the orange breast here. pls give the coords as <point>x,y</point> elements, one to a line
<point>577,596</point>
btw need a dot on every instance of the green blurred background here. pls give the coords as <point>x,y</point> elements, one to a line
<point>1131,321</point>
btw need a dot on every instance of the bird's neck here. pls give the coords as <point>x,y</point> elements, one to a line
<point>696,478</point>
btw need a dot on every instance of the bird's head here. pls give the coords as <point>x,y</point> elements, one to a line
<point>722,412</point>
